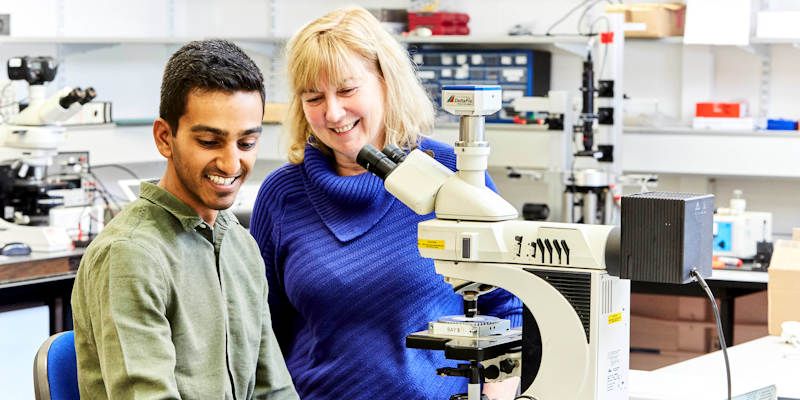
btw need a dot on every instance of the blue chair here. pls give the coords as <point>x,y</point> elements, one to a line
<point>55,368</point>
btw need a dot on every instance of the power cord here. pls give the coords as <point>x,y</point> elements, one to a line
<point>699,279</point>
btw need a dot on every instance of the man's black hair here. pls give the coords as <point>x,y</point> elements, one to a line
<point>205,65</point>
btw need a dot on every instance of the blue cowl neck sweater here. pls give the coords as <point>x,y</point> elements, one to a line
<point>347,284</point>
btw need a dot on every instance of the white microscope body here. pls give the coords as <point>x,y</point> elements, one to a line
<point>580,320</point>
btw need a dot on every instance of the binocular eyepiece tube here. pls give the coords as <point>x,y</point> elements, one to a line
<point>77,95</point>
<point>374,161</point>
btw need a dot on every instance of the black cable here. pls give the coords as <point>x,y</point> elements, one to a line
<point>525,396</point>
<point>699,279</point>
<point>118,166</point>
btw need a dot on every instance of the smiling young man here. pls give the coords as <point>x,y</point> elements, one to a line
<point>170,301</point>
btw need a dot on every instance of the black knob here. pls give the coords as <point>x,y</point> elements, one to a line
<point>507,365</point>
<point>491,372</point>
<point>535,211</point>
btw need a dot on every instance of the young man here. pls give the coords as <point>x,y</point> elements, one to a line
<point>170,300</point>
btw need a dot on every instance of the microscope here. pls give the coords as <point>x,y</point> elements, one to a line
<point>587,196</point>
<point>573,279</point>
<point>28,142</point>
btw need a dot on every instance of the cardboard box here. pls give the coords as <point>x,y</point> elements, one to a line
<point>668,307</point>
<point>657,19</point>
<point>746,332</point>
<point>783,289</point>
<point>663,335</point>
<point>751,309</point>
<point>645,361</point>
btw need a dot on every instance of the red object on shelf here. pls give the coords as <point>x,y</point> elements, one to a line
<point>606,37</point>
<point>720,110</point>
<point>440,23</point>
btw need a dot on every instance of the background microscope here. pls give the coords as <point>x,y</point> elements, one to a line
<point>34,179</point>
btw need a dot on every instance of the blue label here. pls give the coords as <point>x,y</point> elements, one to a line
<point>724,237</point>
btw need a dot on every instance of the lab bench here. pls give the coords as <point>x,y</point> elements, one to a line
<point>40,278</point>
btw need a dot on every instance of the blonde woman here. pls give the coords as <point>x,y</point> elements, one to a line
<point>347,283</point>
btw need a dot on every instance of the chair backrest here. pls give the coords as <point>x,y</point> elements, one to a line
<point>55,368</point>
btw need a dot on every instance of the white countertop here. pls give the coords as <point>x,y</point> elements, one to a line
<point>755,364</point>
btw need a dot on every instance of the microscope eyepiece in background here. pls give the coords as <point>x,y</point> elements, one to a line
<point>89,95</point>
<point>72,97</point>
<point>374,161</point>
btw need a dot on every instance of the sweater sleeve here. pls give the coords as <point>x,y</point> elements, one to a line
<point>265,228</point>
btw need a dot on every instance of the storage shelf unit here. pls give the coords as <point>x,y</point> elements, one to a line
<point>677,150</point>
<point>715,153</point>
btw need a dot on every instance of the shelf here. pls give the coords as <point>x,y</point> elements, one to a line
<point>680,130</point>
<point>712,153</point>
<point>757,40</point>
<point>128,40</point>
<point>495,39</point>
<point>664,40</point>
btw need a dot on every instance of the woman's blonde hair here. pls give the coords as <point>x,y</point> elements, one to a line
<point>324,49</point>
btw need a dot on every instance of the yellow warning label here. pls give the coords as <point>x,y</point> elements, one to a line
<point>430,244</point>
<point>614,318</point>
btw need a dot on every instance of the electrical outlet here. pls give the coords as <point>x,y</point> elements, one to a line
<point>5,24</point>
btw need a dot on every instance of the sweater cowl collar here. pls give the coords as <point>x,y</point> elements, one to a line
<point>348,205</point>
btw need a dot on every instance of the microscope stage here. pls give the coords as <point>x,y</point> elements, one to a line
<point>474,327</point>
<point>467,348</point>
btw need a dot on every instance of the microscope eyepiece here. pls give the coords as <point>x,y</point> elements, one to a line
<point>89,95</point>
<point>374,161</point>
<point>394,153</point>
<point>71,98</point>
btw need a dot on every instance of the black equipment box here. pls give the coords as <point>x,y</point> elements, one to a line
<point>666,235</point>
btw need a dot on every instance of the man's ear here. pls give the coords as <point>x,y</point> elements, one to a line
<point>162,134</point>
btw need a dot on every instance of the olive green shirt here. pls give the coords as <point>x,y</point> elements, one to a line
<point>166,307</point>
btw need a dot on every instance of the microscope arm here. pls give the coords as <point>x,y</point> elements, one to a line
<point>562,334</point>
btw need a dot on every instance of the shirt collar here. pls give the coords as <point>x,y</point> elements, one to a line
<point>186,215</point>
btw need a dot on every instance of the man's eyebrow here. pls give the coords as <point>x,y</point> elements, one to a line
<point>209,129</point>
<point>251,131</point>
